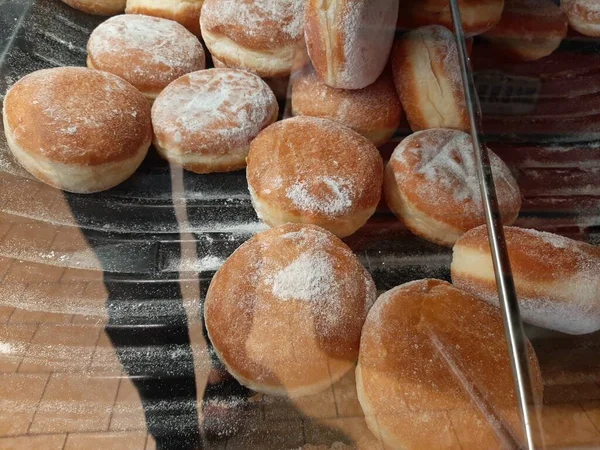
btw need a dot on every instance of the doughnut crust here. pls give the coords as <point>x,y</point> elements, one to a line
<point>427,77</point>
<point>205,120</point>
<point>285,311</point>
<point>434,371</point>
<point>477,16</point>
<point>583,16</point>
<point>557,279</point>
<point>256,35</point>
<point>98,7</point>
<point>375,111</point>
<point>312,170</point>
<point>349,41</point>
<point>56,123</point>
<point>431,184</point>
<point>529,29</point>
<point>149,52</point>
<point>186,12</point>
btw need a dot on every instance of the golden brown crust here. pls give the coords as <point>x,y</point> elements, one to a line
<point>375,111</point>
<point>315,168</point>
<point>477,16</point>
<point>98,7</point>
<point>529,29</point>
<point>556,278</point>
<point>436,172</point>
<point>186,12</point>
<point>427,77</point>
<point>63,114</point>
<point>148,52</point>
<point>256,25</point>
<point>286,310</point>
<point>432,356</point>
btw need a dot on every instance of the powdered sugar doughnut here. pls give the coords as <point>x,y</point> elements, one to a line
<point>285,311</point>
<point>583,15</point>
<point>349,41</point>
<point>98,7</point>
<point>434,371</point>
<point>205,120</point>
<point>186,12</point>
<point>149,52</point>
<point>312,170</point>
<point>77,129</point>
<point>375,111</point>
<point>257,35</point>
<point>427,77</point>
<point>529,29</point>
<point>431,185</point>
<point>557,279</point>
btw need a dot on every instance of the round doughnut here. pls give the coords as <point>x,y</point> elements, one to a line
<point>349,41</point>
<point>256,35</point>
<point>98,7</point>
<point>427,77</point>
<point>529,29</point>
<point>431,184</point>
<point>374,111</point>
<point>557,279</point>
<point>285,311</point>
<point>77,129</point>
<point>434,372</point>
<point>149,52</point>
<point>312,170</point>
<point>205,120</point>
<point>186,12</point>
<point>583,16</point>
<point>477,16</point>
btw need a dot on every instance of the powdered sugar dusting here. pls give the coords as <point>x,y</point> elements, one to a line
<point>163,50</point>
<point>336,196</point>
<point>228,105</point>
<point>551,238</point>
<point>310,277</point>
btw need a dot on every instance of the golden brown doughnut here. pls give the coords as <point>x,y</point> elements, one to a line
<point>529,29</point>
<point>186,12</point>
<point>149,52</point>
<point>583,15</point>
<point>77,129</point>
<point>256,35</point>
<point>431,184</point>
<point>285,311</point>
<point>349,41</point>
<point>375,111</point>
<point>98,7</point>
<point>557,279</point>
<point>205,120</point>
<point>312,170</point>
<point>427,76</point>
<point>434,372</point>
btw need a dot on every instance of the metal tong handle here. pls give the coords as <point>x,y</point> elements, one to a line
<point>513,327</point>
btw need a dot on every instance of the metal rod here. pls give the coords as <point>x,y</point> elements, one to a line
<point>513,327</point>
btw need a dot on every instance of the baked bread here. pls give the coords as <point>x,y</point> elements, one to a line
<point>557,279</point>
<point>259,36</point>
<point>349,41</point>
<point>77,129</point>
<point>427,77</point>
<point>285,311</point>
<point>205,120</point>
<point>529,29</point>
<point>434,371</point>
<point>431,184</point>
<point>583,16</point>
<point>374,111</point>
<point>98,7</point>
<point>311,170</point>
<point>149,52</point>
<point>186,12</point>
